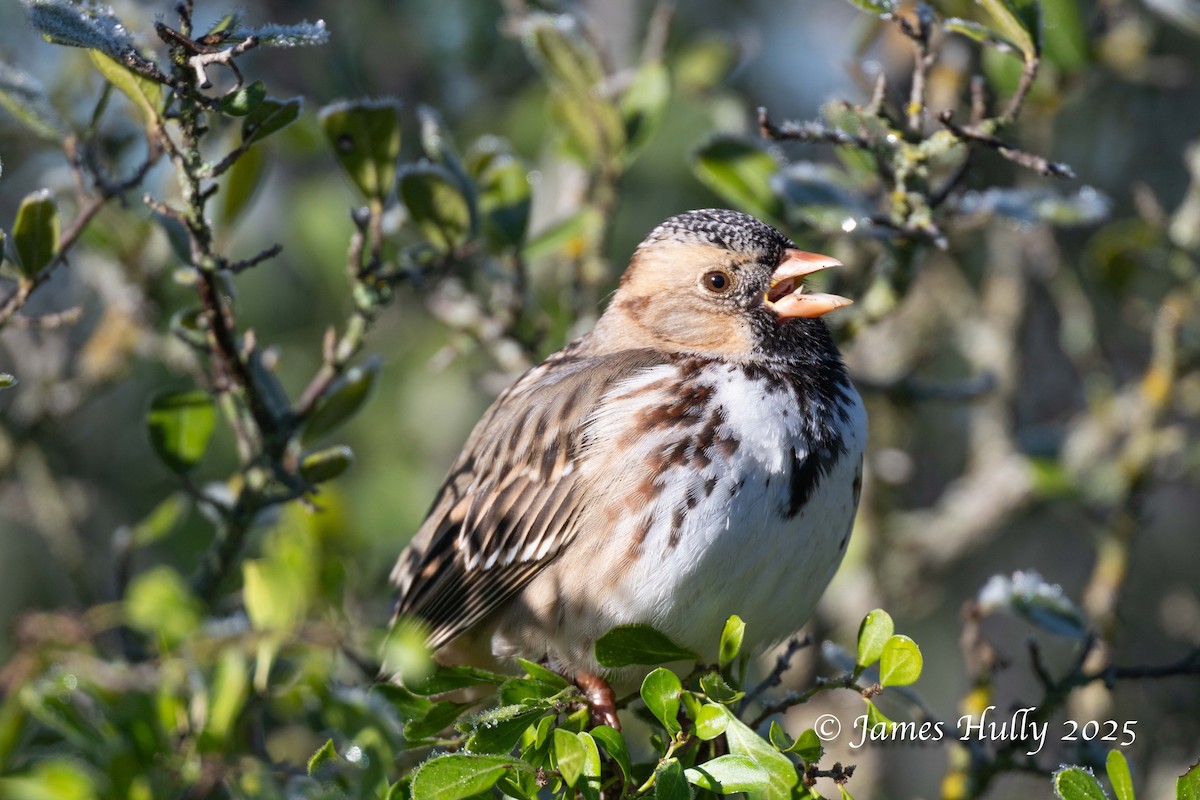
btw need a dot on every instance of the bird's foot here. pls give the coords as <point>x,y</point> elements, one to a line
<point>600,699</point>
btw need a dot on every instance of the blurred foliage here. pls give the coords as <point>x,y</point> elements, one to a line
<point>203,481</point>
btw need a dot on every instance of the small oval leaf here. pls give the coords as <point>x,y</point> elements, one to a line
<point>731,639</point>
<point>244,99</point>
<point>900,663</point>
<point>365,136</point>
<point>660,692</point>
<point>728,774</point>
<point>341,401</point>
<point>1077,783</point>
<point>873,633</point>
<point>325,465</point>
<point>35,232</point>
<point>1118,775</point>
<point>626,645</point>
<point>181,425</point>
<point>457,776</point>
<point>436,204</point>
<point>270,116</point>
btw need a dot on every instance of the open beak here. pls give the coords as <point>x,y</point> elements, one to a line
<point>787,297</point>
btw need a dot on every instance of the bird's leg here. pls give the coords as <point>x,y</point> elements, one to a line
<point>600,698</point>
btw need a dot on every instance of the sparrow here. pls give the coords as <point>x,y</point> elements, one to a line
<point>697,454</point>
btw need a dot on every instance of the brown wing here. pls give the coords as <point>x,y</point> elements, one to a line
<point>512,500</point>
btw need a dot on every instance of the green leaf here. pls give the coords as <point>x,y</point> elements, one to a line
<point>365,136</point>
<point>527,690</point>
<point>1187,787</point>
<point>161,521</point>
<point>326,754</point>
<point>808,747</point>
<point>275,594</point>
<point>244,99</point>
<point>643,105</point>
<point>270,116</point>
<point>540,673</point>
<point>625,645</point>
<point>900,663</point>
<point>1019,21</point>
<point>711,722</point>
<point>660,692</point>
<point>556,46</point>
<point>146,94</point>
<point>453,678</point>
<point>458,776</point>
<point>741,173</point>
<point>590,787</point>
<point>881,8</point>
<point>436,204</point>
<point>717,689</point>
<point>1077,783</point>
<point>230,688</point>
<point>744,741</point>
<point>1118,775</point>
<point>325,465</point>
<point>670,783</point>
<point>728,774</point>
<point>497,730</point>
<point>241,184</point>
<point>7,381</point>
<point>91,26</point>
<point>51,778</point>
<point>408,704</point>
<point>158,602</point>
<point>35,232</point>
<point>874,631</point>
<point>569,755</point>
<point>181,425</point>
<point>877,721</point>
<point>505,200</point>
<point>341,401</point>
<point>614,744</point>
<point>731,640</point>
<point>439,717</point>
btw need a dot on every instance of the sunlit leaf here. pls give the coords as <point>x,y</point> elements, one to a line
<point>1187,787</point>
<point>497,730</point>
<point>717,689</point>
<point>740,172</point>
<point>326,754</point>
<point>91,26</point>
<point>181,425</point>
<point>159,603</point>
<point>452,678</point>
<point>7,381</point>
<point>711,722</point>
<point>1077,783</point>
<point>1118,775</point>
<point>614,744</point>
<point>782,773</point>
<point>643,105</point>
<point>457,776</point>
<point>670,783</point>
<point>731,639</point>
<point>900,662</point>
<point>660,692</point>
<point>729,773</point>
<point>1028,595</point>
<point>160,522</point>
<point>143,92</point>
<point>874,631</point>
<point>365,137</point>
<point>569,754</point>
<point>1019,21</point>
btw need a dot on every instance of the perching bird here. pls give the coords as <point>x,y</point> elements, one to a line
<point>698,454</point>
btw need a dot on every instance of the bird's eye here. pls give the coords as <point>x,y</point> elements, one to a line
<point>717,281</point>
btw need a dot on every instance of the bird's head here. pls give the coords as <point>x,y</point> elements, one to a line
<point>721,283</point>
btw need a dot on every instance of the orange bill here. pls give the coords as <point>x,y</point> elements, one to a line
<point>787,297</point>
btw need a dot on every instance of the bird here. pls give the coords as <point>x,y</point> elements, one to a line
<point>697,454</point>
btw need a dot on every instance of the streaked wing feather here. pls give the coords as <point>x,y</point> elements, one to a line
<point>512,500</point>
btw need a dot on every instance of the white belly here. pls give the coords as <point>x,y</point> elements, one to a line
<point>717,540</point>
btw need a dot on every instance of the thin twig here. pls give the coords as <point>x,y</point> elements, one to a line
<point>1038,164</point>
